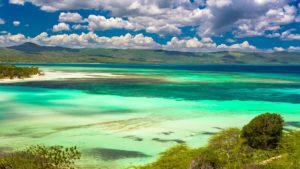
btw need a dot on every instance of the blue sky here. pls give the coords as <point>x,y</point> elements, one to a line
<point>185,25</point>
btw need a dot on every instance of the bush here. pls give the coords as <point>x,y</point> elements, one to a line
<point>227,144</point>
<point>207,160</point>
<point>11,72</point>
<point>177,157</point>
<point>264,131</point>
<point>41,157</point>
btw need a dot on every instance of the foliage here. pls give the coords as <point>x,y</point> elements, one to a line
<point>179,156</point>
<point>228,145</point>
<point>264,131</point>
<point>227,150</point>
<point>41,157</point>
<point>206,160</point>
<point>11,72</point>
<point>101,55</point>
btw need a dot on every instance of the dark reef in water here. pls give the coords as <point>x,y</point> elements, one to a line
<point>167,133</point>
<point>208,133</point>
<point>168,140</point>
<point>115,154</point>
<point>134,138</point>
<point>293,124</point>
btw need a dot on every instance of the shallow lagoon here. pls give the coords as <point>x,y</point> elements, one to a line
<point>121,115</point>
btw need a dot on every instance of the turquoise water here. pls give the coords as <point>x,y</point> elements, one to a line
<point>129,117</point>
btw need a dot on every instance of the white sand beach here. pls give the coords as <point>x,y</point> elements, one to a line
<point>59,75</point>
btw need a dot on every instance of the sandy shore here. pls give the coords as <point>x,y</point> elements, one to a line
<point>60,75</point>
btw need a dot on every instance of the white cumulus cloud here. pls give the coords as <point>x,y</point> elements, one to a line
<point>279,49</point>
<point>205,45</point>
<point>288,35</point>
<point>61,27</point>
<point>101,23</point>
<point>16,23</point>
<point>168,17</point>
<point>70,17</point>
<point>9,39</point>
<point>294,49</point>
<point>92,40</point>
<point>18,2</point>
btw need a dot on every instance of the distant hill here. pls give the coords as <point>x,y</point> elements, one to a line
<point>33,53</point>
<point>34,48</point>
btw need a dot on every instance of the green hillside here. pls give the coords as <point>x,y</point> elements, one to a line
<point>31,53</point>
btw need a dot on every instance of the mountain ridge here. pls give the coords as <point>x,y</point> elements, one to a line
<point>33,48</point>
<point>33,53</point>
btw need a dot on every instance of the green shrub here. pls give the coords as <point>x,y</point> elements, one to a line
<point>41,157</point>
<point>177,157</point>
<point>11,72</point>
<point>207,160</point>
<point>228,145</point>
<point>227,149</point>
<point>264,131</point>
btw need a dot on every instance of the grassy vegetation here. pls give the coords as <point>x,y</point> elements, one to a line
<point>41,157</point>
<point>228,149</point>
<point>39,54</point>
<point>11,72</point>
<point>231,149</point>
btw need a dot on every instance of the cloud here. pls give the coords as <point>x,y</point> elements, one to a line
<point>79,27</point>
<point>127,41</point>
<point>164,30</point>
<point>192,44</point>
<point>271,21</point>
<point>102,23</point>
<point>210,17</point>
<point>279,49</point>
<point>218,3</point>
<point>61,27</point>
<point>9,39</point>
<point>70,17</point>
<point>3,32</point>
<point>92,40</point>
<point>205,45</point>
<point>294,49</point>
<point>230,40</point>
<point>288,35</point>
<point>18,2</point>
<point>245,46</point>
<point>16,23</point>
<point>156,16</point>
<point>247,17</point>
<point>118,8</point>
<point>2,21</point>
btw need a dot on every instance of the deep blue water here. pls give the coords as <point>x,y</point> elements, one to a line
<point>218,67</point>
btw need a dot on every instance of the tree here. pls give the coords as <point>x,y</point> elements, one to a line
<point>41,157</point>
<point>264,131</point>
<point>11,72</point>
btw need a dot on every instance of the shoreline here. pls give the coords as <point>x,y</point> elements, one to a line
<point>48,75</point>
<point>17,80</point>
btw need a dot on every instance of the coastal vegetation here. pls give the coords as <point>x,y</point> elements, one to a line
<point>40,157</point>
<point>11,72</point>
<point>264,131</point>
<point>261,144</point>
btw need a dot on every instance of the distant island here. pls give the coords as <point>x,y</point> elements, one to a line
<point>12,72</point>
<point>33,53</point>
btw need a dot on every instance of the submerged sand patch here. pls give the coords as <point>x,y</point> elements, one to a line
<point>119,118</point>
